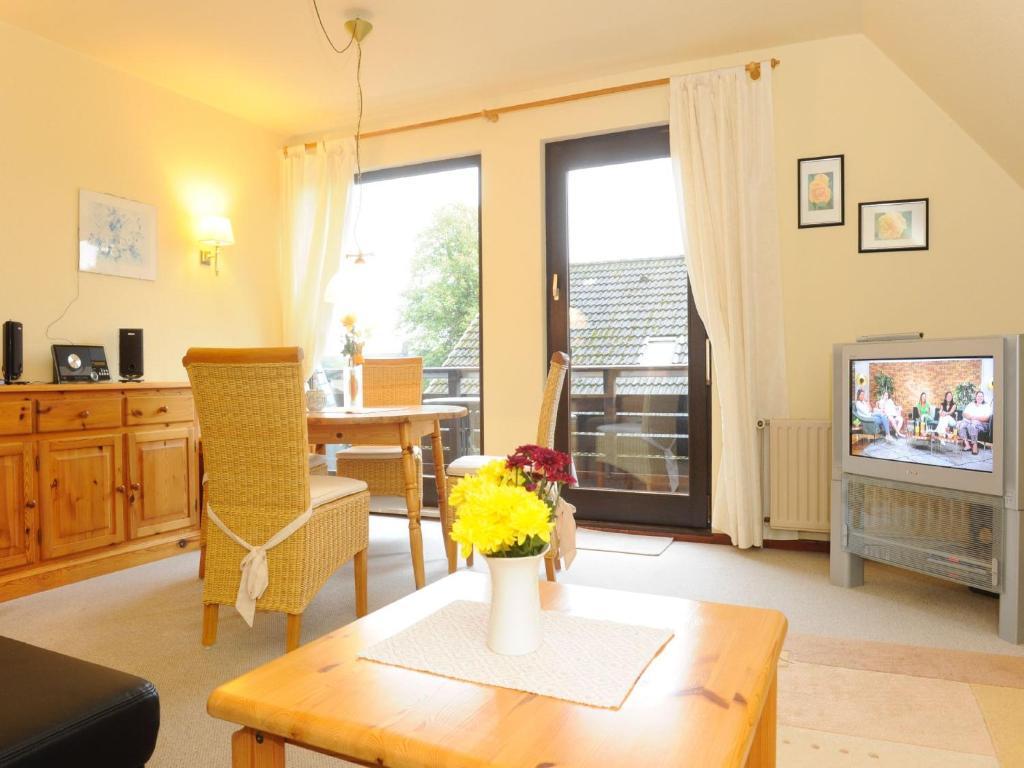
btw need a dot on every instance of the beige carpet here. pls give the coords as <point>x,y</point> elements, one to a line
<point>627,544</point>
<point>842,702</point>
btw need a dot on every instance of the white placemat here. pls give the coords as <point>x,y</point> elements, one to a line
<point>587,661</point>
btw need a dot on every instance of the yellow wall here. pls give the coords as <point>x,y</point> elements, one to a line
<point>69,122</point>
<point>839,95</point>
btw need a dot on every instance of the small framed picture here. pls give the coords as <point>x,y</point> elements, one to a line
<point>893,225</point>
<point>116,236</point>
<point>821,198</point>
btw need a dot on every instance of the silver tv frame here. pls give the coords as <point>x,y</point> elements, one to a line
<point>990,483</point>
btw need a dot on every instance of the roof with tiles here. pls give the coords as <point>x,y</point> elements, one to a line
<point>624,312</point>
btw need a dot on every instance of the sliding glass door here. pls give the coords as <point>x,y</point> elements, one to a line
<point>636,415</point>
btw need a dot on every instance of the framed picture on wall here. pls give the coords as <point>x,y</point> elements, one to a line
<point>821,198</point>
<point>893,225</point>
<point>116,236</point>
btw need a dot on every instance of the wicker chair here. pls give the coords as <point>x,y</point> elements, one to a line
<point>255,451</point>
<point>467,465</point>
<point>386,382</point>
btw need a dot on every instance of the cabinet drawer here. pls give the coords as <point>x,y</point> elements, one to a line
<point>16,417</point>
<point>159,409</point>
<point>84,413</point>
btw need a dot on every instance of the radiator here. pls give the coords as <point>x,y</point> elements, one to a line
<point>795,473</point>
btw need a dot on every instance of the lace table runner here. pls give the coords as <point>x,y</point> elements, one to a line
<point>587,661</point>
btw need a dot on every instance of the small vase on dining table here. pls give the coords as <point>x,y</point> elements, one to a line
<point>514,625</point>
<point>352,386</point>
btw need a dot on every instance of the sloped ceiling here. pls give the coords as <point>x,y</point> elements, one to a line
<point>268,63</point>
<point>968,56</point>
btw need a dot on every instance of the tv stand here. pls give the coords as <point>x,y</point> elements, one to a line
<point>846,567</point>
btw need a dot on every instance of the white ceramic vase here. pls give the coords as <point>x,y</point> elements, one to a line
<point>514,626</point>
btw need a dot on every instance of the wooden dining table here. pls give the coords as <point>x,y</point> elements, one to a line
<point>402,426</point>
<point>707,699</point>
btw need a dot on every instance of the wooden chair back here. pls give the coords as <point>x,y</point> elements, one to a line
<point>552,392</point>
<point>252,416</point>
<point>392,381</point>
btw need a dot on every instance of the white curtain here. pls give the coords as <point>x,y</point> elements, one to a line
<point>723,151</point>
<point>316,190</point>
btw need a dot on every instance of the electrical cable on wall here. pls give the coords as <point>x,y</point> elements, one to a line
<point>78,292</point>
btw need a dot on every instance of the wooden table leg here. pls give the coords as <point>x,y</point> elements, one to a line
<point>412,503</point>
<point>762,750</point>
<point>442,499</point>
<point>255,749</point>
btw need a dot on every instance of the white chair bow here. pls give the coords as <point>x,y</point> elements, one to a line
<point>255,572</point>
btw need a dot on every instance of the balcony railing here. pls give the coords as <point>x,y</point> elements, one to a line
<point>629,427</point>
<point>629,424</point>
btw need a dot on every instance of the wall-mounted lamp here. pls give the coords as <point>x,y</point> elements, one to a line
<point>214,232</point>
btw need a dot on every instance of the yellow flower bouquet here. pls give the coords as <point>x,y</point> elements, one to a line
<point>507,511</point>
<point>507,508</point>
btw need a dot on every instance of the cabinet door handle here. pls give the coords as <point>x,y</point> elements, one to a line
<point>41,409</point>
<point>120,489</point>
<point>555,293</point>
<point>83,414</point>
<point>31,504</point>
<point>136,412</point>
<point>162,409</point>
<point>136,486</point>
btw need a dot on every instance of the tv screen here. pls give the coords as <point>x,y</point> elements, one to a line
<point>937,411</point>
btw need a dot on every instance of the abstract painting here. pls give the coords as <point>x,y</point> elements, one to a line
<point>116,236</point>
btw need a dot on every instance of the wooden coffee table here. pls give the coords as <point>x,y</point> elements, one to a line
<point>708,699</point>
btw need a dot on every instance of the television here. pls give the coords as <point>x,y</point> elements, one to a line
<point>932,412</point>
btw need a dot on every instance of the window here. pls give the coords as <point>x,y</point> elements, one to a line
<point>411,275</point>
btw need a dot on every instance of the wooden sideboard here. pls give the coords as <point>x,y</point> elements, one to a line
<point>94,478</point>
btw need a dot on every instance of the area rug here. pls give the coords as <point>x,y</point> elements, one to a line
<point>858,703</point>
<point>626,543</point>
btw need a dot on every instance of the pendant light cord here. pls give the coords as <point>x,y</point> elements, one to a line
<point>323,29</point>
<point>359,116</point>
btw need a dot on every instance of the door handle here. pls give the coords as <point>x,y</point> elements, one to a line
<point>555,293</point>
<point>120,489</point>
<point>136,486</point>
<point>83,414</point>
<point>31,504</point>
<point>707,361</point>
<point>162,409</point>
<point>136,412</point>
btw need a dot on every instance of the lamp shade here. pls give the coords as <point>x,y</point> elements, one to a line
<point>216,230</point>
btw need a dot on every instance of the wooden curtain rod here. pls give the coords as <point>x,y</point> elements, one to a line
<point>491,115</point>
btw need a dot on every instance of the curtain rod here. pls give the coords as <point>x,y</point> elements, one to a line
<point>753,69</point>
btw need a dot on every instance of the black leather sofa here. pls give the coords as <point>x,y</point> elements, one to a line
<point>58,711</point>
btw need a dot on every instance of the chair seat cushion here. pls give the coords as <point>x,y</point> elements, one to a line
<point>57,710</point>
<point>373,452</point>
<point>324,489</point>
<point>469,465</point>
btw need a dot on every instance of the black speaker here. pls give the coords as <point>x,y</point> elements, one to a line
<point>129,358</point>
<point>12,351</point>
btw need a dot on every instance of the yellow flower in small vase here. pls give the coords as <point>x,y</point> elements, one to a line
<point>349,321</point>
